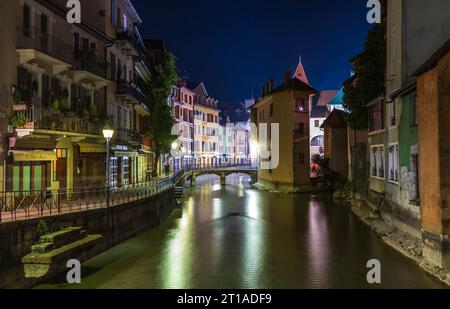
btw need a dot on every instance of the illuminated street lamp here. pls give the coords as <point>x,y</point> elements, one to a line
<point>107,134</point>
<point>174,146</point>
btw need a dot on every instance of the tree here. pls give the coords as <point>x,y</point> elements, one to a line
<point>328,177</point>
<point>368,83</point>
<point>160,122</point>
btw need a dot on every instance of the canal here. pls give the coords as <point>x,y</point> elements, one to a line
<point>236,237</point>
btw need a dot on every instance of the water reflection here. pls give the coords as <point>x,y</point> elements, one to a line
<point>235,237</point>
<point>318,245</point>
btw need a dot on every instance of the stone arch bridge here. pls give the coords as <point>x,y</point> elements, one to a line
<point>222,172</point>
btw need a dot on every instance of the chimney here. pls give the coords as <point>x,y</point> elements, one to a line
<point>287,77</point>
<point>270,84</point>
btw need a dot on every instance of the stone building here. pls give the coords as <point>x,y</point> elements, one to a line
<point>433,97</point>
<point>61,85</point>
<point>393,129</point>
<point>287,106</point>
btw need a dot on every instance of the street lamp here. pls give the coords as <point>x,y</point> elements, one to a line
<point>107,134</point>
<point>183,152</point>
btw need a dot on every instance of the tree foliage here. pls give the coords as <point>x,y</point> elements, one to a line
<point>160,122</point>
<point>368,83</point>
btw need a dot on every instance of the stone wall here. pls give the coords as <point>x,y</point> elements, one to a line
<point>116,224</point>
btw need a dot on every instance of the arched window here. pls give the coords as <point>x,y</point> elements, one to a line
<point>317,141</point>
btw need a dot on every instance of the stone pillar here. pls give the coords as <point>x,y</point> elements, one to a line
<point>223,179</point>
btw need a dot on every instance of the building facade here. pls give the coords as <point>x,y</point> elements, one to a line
<point>288,107</point>
<point>62,85</point>
<point>433,97</point>
<point>206,128</point>
<point>393,133</point>
<point>182,104</point>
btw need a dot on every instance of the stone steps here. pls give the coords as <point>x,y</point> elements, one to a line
<point>52,252</point>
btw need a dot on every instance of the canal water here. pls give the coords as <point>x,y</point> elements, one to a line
<point>237,237</point>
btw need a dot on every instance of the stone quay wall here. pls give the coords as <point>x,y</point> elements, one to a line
<point>116,224</point>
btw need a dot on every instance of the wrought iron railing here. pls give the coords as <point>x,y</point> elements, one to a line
<point>34,38</point>
<point>23,205</point>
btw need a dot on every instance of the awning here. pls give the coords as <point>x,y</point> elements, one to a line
<point>92,148</point>
<point>145,151</point>
<point>35,143</point>
<point>33,155</point>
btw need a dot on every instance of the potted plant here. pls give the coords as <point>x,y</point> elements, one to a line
<point>18,104</point>
<point>85,113</point>
<point>17,121</point>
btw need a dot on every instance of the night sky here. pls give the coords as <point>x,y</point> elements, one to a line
<point>234,46</point>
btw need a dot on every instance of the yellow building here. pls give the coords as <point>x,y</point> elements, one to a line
<point>288,167</point>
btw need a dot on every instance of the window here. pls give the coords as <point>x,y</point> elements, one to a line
<point>317,141</point>
<point>125,22</point>
<point>26,19</point>
<point>317,123</point>
<point>377,161</point>
<point>113,66</point>
<point>376,116</point>
<point>113,12</point>
<point>300,130</point>
<point>44,24</point>
<point>301,106</point>
<point>76,42</point>
<point>393,163</point>
<point>392,117</point>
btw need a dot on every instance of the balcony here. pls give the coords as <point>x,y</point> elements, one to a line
<point>130,92</point>
<point>130,41</point>
<point>45,119</point>
<point>90,68</point>
<point>44,49</point>
<point>128,137</point>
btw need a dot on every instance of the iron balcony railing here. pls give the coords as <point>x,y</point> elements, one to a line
<point>127,136</point>
<point>125,88</point>
<point>52,120</point>
<point>130,35</point>
<point>34,38</point>
<point>89,61</point>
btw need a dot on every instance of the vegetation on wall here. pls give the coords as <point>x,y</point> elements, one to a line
<point>368,83</point>
<point>159,124</point>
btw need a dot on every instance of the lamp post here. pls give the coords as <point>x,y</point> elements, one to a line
<point>107,134</point>
<point>183,151</point>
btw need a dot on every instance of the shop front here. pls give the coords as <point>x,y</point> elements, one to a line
<point>30,165</point>
<point>90,164</point>
<point>123,162</point>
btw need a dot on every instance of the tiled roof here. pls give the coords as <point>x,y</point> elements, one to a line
<point>300,73</point>
<point>295,84</point>
<point>339,98</point>
<point>325,97</point>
